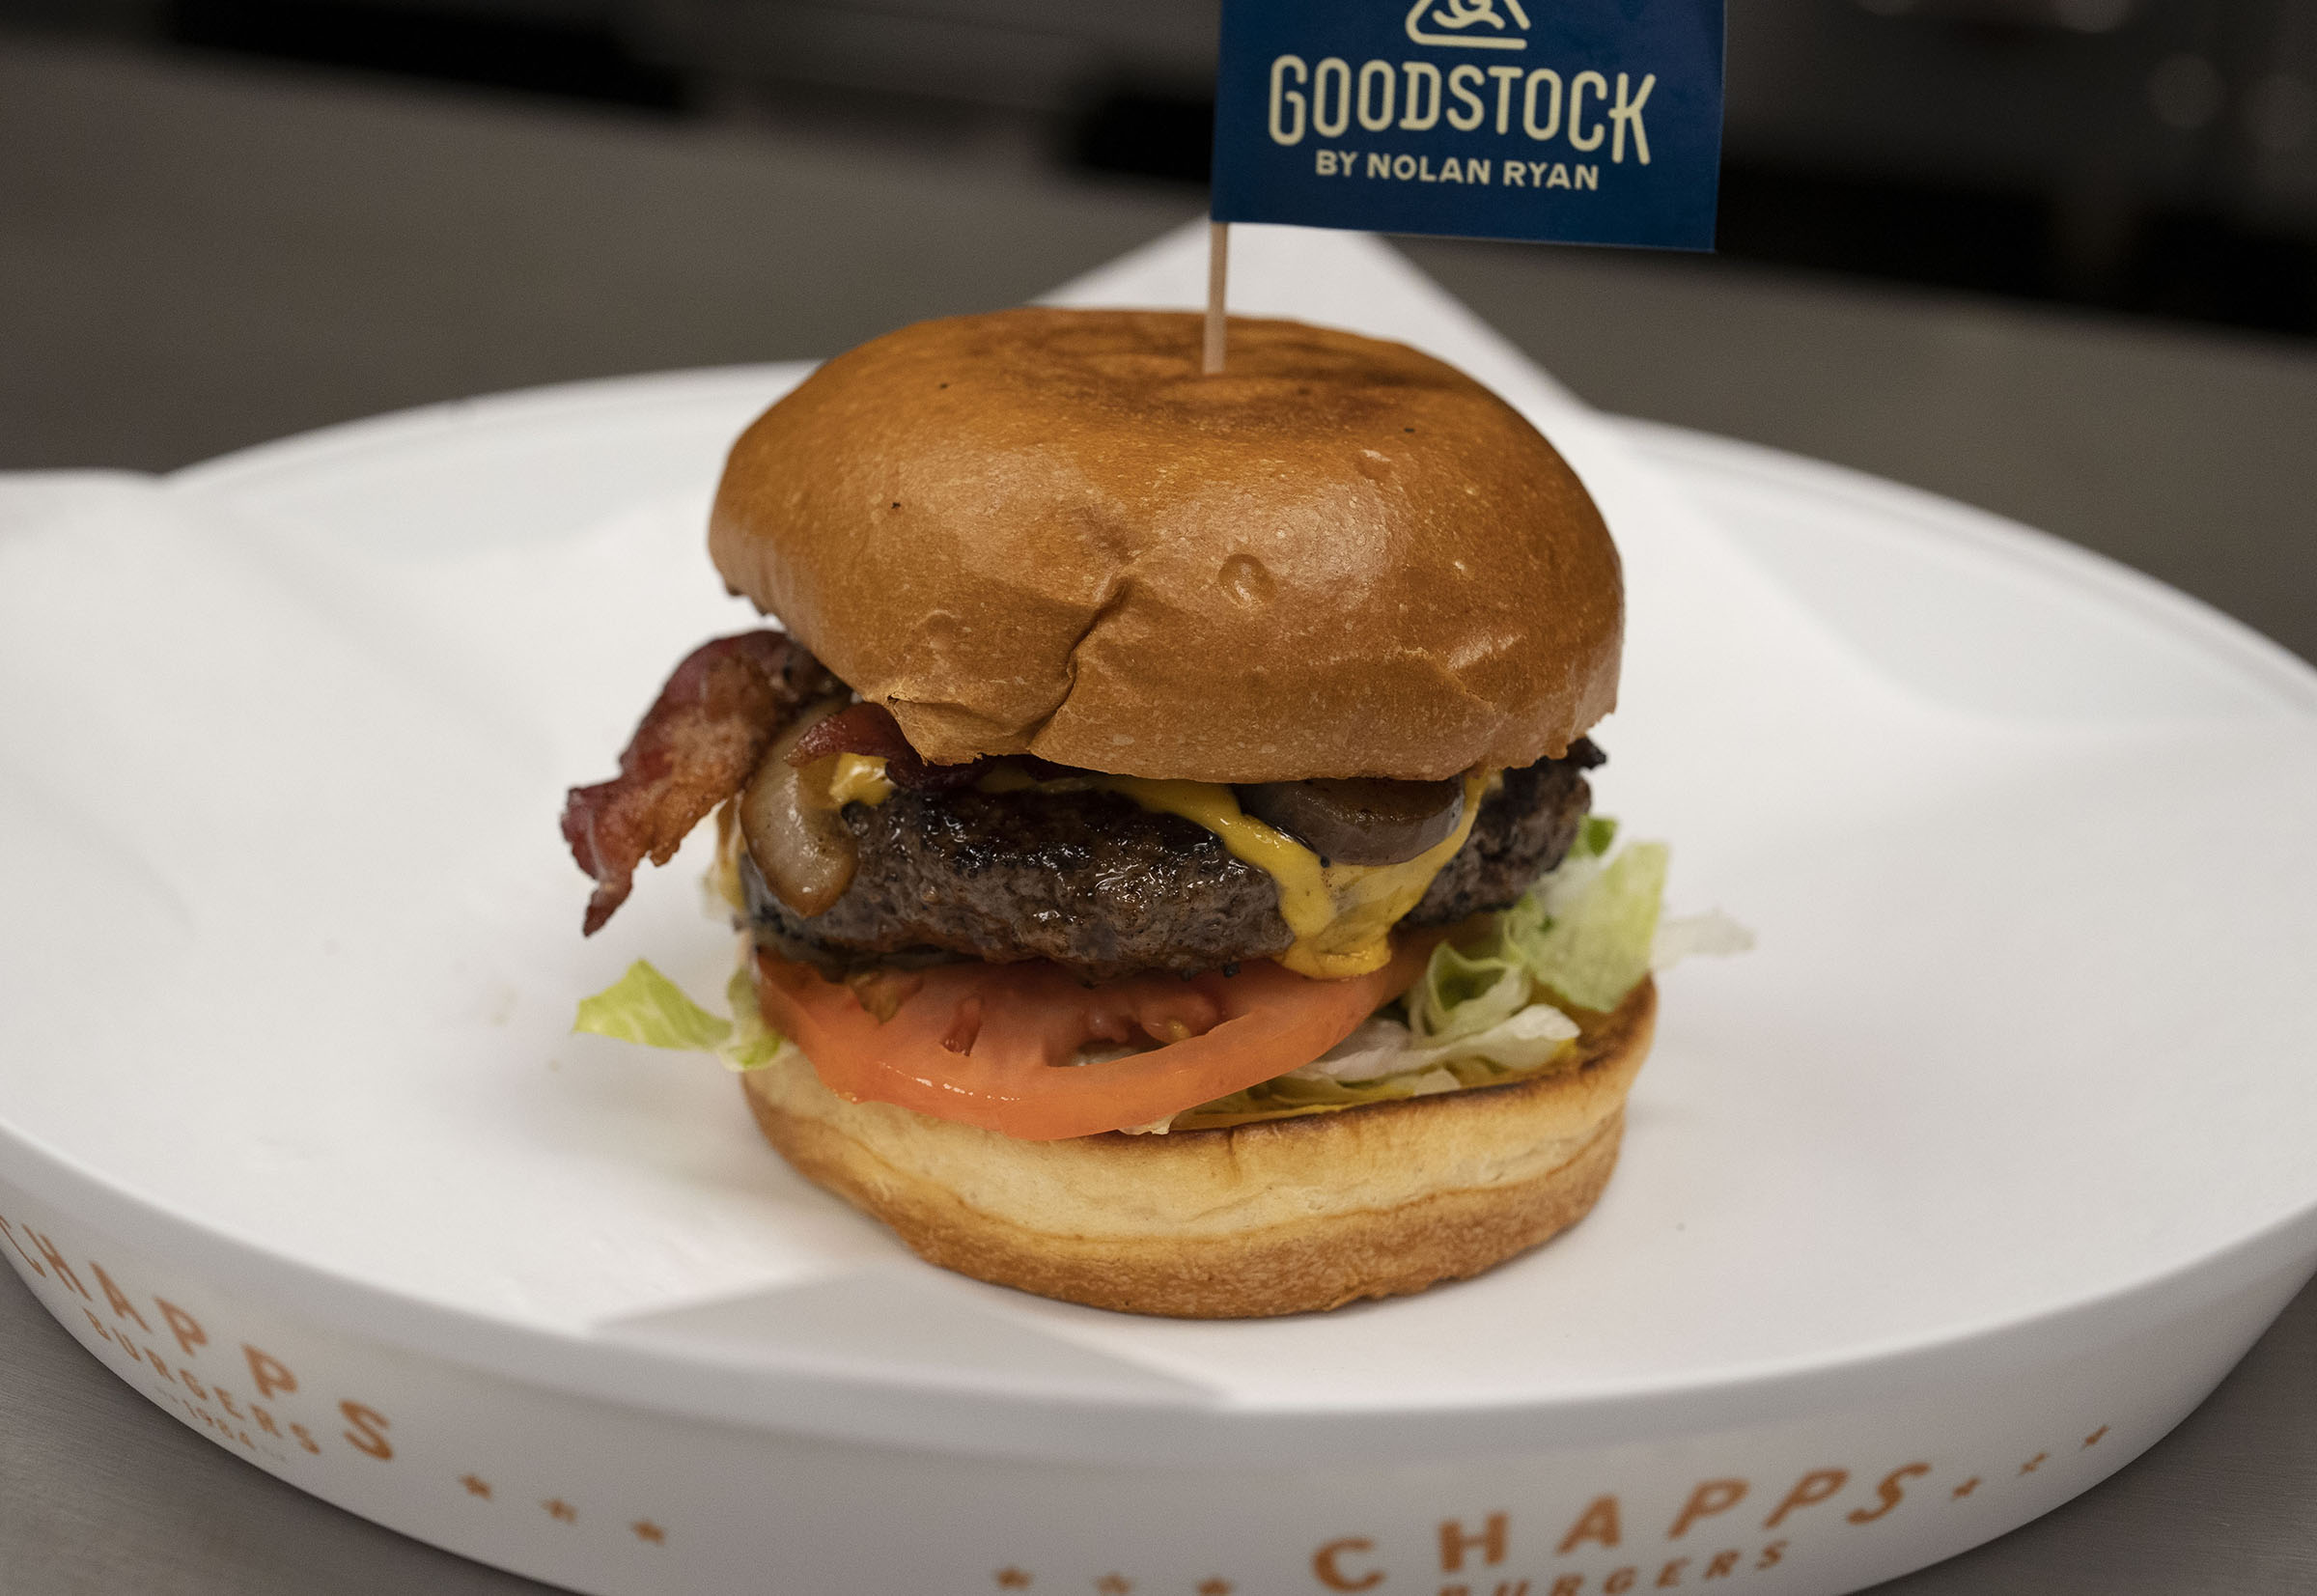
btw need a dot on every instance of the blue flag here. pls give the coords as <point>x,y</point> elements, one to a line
<point>1574,120</point>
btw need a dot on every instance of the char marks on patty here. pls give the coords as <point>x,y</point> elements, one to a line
<point>1096,883</point>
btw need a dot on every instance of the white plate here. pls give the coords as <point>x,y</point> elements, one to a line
<point>1935,1209</point>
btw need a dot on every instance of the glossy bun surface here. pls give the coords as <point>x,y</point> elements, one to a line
<point>1044,531</point>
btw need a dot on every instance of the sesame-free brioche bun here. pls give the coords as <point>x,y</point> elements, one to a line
<point>1045,532</point>
<point>1279,1217</point>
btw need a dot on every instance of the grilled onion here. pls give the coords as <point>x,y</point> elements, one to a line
<point>1361,820</point>
<point>798,840</point>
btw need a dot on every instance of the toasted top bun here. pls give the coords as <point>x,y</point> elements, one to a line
<point>1045,532</point>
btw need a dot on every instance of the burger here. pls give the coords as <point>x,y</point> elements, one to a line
<point>1159,823</point>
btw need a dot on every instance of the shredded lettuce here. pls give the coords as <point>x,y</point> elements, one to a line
<point>1595,836</point>
<point>1461,995</point>
<point>1595,947</point>
<point>1382,1061</point>
<point>1489,1008</point>
<point>1524,1040</point>
<point>646,1007</point>
<point>753,1042</point>
<point>1712,935</point>
<point>1582,936</point>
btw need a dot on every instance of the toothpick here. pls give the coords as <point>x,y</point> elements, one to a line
<point>1219,272</point>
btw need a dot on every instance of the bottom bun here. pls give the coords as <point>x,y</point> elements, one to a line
<point>1282,1216</point>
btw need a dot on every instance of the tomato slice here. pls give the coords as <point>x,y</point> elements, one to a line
<point>991,1045</point>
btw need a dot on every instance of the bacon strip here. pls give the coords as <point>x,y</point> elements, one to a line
<point>696,748</point>
<point>871,728</point>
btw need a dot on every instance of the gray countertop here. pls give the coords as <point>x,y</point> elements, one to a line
<point>196,257</point>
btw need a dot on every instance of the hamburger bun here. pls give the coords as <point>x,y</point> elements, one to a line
<point>1045,532</point>
<point>1285,1215</point>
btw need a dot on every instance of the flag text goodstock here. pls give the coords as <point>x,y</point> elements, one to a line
<point>1573,121</point>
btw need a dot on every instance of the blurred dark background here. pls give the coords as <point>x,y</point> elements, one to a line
<point>2157,157</point>
<point>2055,258</point>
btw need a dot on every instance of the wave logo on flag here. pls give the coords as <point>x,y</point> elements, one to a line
<point>1464,14</point>
<point>1570,120</point>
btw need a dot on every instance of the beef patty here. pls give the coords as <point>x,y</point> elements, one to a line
<point>1093,882</point>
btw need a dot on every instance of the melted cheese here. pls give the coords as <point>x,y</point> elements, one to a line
<point>1341,914</point>
<point>858,778</point>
